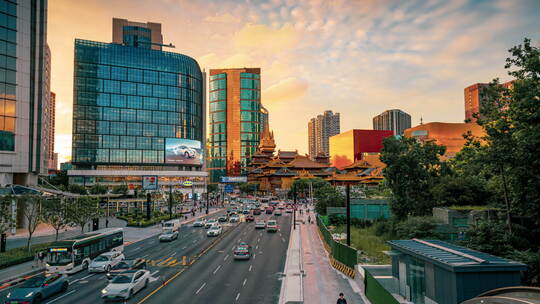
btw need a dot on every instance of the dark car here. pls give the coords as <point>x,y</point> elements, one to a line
<point>222,219</point>
<point>250,218</point>
<point>37,288</point>
<point>126,265</point>
<point>269,210</point>
<point>256,211</point>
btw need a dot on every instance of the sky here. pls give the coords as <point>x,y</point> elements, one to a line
<point>355,57</point>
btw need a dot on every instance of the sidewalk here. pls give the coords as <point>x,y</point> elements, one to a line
<point>131,235</point>
<point>322,283</point>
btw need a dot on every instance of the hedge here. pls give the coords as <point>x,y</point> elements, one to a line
<point>141,221</point>
<point>20,255</point>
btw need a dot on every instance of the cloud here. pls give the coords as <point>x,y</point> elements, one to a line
<point>262,37</point>
<point>225,18</point>
<point>286,90</point>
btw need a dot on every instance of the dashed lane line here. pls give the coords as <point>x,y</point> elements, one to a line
<point>200,288</point>
<point>81,279</point>
<point>217,269</point>
<point>62,296</point>
<point>226,257</point>
<point>244,284</point>
<point>237,296</point>
<point>250,266</point>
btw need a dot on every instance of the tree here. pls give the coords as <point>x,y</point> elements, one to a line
<point>6,220</point>
<point>33,214</point>
<point>211,188</point>
<point>301,186</point>
<point>82,210</point>
<point>328,196</point>
<point>55,213</point>
<point>490,237</point>
<point>248,188</point>
<point>412,168</point>
<point>78,189</point>
<point>60,179</point>
<point>417,227</point>
<point>455,190</point>
<point>98,189</point>
<point>120,189</point>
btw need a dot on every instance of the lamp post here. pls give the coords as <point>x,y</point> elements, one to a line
<point>294,209</point>
<point>148,202</point>
<point>348,206</point>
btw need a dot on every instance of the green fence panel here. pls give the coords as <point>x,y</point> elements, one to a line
<point>375,292</point>
<point>345,254</point>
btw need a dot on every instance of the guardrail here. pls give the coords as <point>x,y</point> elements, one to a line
<point>345,256</point>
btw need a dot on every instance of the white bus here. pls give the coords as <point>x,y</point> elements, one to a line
<point>75,254</point>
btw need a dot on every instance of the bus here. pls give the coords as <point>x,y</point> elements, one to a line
<point>75,254</point>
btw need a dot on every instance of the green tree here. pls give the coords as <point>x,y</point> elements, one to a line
<point>82,210</point>
<point>33,214</point>
<point>98,189</point>
<point>55,213</point>
<point>60,179</point>
<point>417,227</point>
<point>6,221</point>
<point>301,186</point>
<point>412,169</point>
<point>120,189</point>
<point>489,236</point>
<point>77,189</point>
<point>455,190</point>
<point>211,188</point>
<point>328,196</point>
<point>248,188</point>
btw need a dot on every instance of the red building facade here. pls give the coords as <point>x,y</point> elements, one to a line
<point>355,145</point>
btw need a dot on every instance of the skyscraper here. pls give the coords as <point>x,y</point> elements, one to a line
<point>51,159</point>
<point>24,91</point>
<point>137,112</point>
<point>394,120</point>
<point>265,118</point>
<point>235,120</point>
<point>320,129</point>
<point>137,34</point>
<point>475,96</point>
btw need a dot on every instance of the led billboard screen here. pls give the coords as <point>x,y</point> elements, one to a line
<point>183,151</point>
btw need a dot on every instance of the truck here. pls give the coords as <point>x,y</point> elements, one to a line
<point>173,225</point>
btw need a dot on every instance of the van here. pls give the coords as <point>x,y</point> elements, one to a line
<point>173,225</point>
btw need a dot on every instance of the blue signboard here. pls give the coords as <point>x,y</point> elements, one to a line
<point>234,179</point>
<point>229,188</point>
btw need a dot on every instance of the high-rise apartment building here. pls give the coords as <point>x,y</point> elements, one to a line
<point>475,96</point>
<point>320,129</point>
<point>394,120</point>
<point>23,91</point>
<point>265,118</point>
<point>235,120</point>
<point>137,112</point>
<point>52,163</point>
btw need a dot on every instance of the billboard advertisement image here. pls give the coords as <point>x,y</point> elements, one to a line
<point>183,151</point>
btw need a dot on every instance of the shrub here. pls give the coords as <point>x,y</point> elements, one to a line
<point>417,227</point>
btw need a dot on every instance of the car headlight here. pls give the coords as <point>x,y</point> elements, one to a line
<point>29,294</point>
<point>8,295</point>
<point>47,265</point>
<point>104,291</point>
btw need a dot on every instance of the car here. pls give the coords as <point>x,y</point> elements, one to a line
<point>126,265</point>
<point>222,219</point>
<point>209,223</point>
<point>269,210</point>
<point>260,225</point>
<point>250,218</point>
<point>215,230</point>
<point>37,288</point>
<point>234,219</point>
<point>277,212</point>
<point>271,226</point>
<point>185,151</point>
<point>168,236</point>
<point>246,211</point>
<point>199,223</point>
<point>125,285</point>
<point>289,209</point>
<point>281,207</point>
<point>105,261</point>
<point>256,211</point>
<point>242,252</point>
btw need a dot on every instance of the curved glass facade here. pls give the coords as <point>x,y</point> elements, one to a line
<point>128,101</point>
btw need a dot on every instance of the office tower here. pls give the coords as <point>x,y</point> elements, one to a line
<point>235,120</point>
<point>137,112</point>
<point>265,118</point>
<point>137,34</point>
<point>320,129</point>
<point>475,96</point>
<point>24,91</point>
<point>394,120</point>
<point>355,145</point>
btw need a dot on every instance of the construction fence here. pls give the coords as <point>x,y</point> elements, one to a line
<point>341,253</point>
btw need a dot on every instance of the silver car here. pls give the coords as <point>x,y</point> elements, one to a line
<point>104,262</point>
<point>126,284</point>
<point>168,236</point>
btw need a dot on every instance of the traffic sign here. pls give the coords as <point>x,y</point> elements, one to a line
<point>150,183</point>
<point>229,188</point>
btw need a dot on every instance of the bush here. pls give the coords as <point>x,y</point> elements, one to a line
<point>337,219</point>
<point>74,188</point>
<point>417,227</point>
<point>532,259</point>
<point>381,228</point>
<point>20,255</point>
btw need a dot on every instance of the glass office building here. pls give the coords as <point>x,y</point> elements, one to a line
<point>235,120</point>
<point>136,110</point>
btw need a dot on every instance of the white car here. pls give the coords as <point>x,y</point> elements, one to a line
<point>260,225</point>
<point>126,284</point>
<point>168,235</point>
<point>210,223</point>
<point>185,151</point>
<point>105,261</point>
<point>199,223</point>
<point>215,230</point>
<point>234,219</point>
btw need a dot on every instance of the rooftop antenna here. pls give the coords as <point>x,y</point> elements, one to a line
<point>421,120</point>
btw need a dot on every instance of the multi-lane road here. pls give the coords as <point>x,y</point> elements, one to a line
<point>211,274</point>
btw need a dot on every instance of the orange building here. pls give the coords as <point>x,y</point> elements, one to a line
<point>234,120</point>
<point>474,97</point>
<point>354,145</point>
<point>447,134</point>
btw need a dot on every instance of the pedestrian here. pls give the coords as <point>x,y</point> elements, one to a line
<point>341,299</point>
<point>41,258</point>
<point>107,223</point>
<point>309,219</point>
<point>36,260</point>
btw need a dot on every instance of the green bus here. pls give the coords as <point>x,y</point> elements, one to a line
<point>75,254</point>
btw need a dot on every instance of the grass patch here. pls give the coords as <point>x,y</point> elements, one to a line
<point>370,247</point>
<point>20,255</point>
<point>476,208</point>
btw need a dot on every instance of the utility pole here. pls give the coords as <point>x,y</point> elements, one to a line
<point>148,202</point>
<point>348,206</point>
<point>294,209</point>
<point>207,202</point>
<point>170,201</point>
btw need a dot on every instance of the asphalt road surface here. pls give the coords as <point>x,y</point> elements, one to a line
<point>218,278</point>
<point>213,277</point>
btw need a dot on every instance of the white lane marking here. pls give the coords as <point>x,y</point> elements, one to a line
<point>245,280</point>
<point>237,296</point>
<point>257,247</point>
<point>217,269</point>
<point>258,240</point>
<point>62,296</point>
<point>226,257</point>
<point>137,248</point>
<point>83,278</point>
<point>250,266</point>
<point>232,247</point>
<point>145,256</point>
<point>172,253</point>
<point>199,290</point>
<point>153,273</point>
<point>254,255</point>
<point>184,247</point>
<point>283,240</point>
